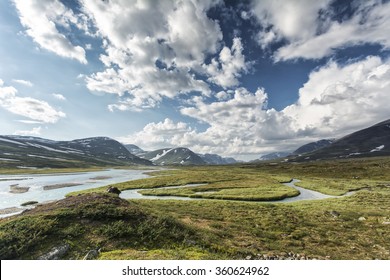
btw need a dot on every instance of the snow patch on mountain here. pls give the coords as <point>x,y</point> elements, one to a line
<point>161,155</point>
<point>377,149</point>
<point>11,141</point>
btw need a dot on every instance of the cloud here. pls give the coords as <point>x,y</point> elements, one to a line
<point>41,19</point>
<point>312,32</point>
<point>29,121</point>
<point>23,82</point>
<point>59,96</point>
<point>33,132</point>
<point>336,100</point>
<point>156,50</point>
<point>32,108</point>
<point>158,135</point>
<point>294,20</point>
<point>226,70</point>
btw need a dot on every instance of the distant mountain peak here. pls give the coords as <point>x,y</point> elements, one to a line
<point>174,156</point>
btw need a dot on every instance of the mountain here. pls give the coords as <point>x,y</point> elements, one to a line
<point>174,156</point>
<point>368,142</point>
<point>313,146</point>
<point>135,150</point>
<point>274,155</point>
<point>214,159</point>
<point>27,151</point>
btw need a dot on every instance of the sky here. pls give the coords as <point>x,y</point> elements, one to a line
<point>235,78</point>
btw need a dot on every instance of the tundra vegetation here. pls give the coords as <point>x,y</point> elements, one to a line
<point>235,221</point>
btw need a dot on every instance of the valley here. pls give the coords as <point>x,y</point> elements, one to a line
<point>233,220</point>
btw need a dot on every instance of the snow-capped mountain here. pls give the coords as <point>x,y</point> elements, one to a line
<point>174,156</point>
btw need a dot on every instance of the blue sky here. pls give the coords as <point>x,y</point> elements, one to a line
<point>234,78</point>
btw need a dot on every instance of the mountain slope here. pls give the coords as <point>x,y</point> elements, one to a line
<point>26,151</point>
<point>313,146</point>
<point>368,142</point>
<point>174,156</point>
<point>135,150</point>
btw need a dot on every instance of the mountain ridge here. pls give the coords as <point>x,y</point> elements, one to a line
<point>30,151</point>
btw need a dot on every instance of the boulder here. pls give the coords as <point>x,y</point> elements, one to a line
<point>55,253</point>
<point>113,190</point>
<point>92,254</point>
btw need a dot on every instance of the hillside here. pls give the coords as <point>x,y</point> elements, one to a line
<point>27,151</point>
<point>368,142</point>
<point>313,146</point>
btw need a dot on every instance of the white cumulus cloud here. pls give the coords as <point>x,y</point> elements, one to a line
<point>341,98</point>
<point>226,70</point>
<point>156,50</point>
<point>32,108</point>
<point>312,33</point>
<point>41,17</point>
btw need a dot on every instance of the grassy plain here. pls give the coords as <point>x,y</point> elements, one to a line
<point>351,227</point>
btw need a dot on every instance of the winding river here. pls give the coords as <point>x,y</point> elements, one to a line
<point>305,194</point>
<point>18,189</point>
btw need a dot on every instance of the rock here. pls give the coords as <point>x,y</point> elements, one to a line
<point>55,253</point>
<point>248,257</point>
<point>92,254</point>
<point>334,214</point>
<point>362,219</point>
<point>29,203</point>
<point>113,190</point>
